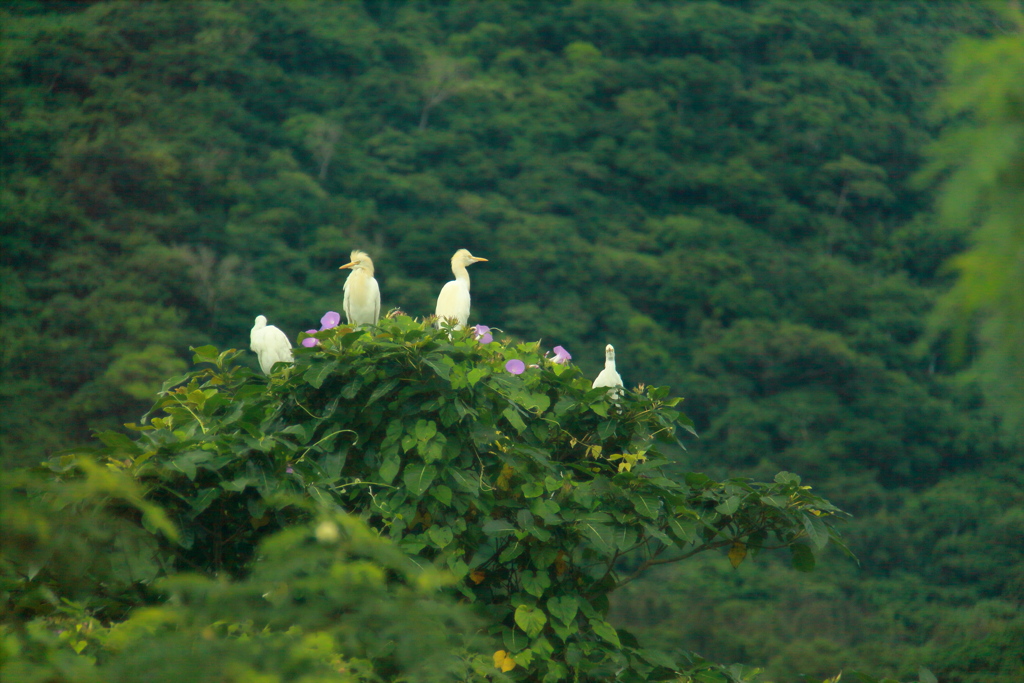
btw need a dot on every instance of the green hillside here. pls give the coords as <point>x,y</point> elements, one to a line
<point>728,192</point>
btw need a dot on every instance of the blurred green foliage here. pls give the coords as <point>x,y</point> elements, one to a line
<point>328,600</point>
<point>982,155</point>
<point>721,189</point>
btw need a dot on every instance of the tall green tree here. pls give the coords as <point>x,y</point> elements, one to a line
<point>983,154</point>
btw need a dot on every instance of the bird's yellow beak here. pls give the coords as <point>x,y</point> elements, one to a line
<point>477,258</point>
<point>347,265</point>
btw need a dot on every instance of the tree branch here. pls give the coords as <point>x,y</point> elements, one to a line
<point>647,564</point>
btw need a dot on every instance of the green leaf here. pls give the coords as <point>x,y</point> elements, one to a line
<point>320,496</point>
<point>204,354</point>
<point>434,450</point>
<point>532,489</point>
<point>601,535</point>
<point>203,499</point>
<point>443,371</point>
<point>119,441</point>
<point>238,484</point>
<point>466,481</point>
<point>547,510</point>
<point>459,568</point>
<point>538,402</point>
<point>606,631</point>
<point>511,552</point>
<point>647,506</point>
<point>389,468</point>
<point>442,493</point>
<point>563,631</point>
<point>346,341</point>
<point>418,477</point>
<point>659,658</point>
<point>187,463</point>
<point>350,389</point>
<point>382,390</point>
<point>683,529</point>
<point>563,405</point>
<point>924,675</point>
<point>563,608</point>
<point>657,533</point>
<point>514,640</point>
<point>787,478</point>
<point>332,464</point>
<point>729,505</point>
<point>512,415</point>
<point>535,583</point>
<point>816,531</point>
<point>317,373</point>
<point>542,648</point>
<point>625,538</point>
<point>802,557</point>
<point>425,430</point>
<point>440,535</point>
<point>498,527</point>
<point>697,480</point>
<point>530,619</point>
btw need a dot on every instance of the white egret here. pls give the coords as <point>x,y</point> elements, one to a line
<point>609,377</point>
<point>453,302</point>
<point>270,344</point>
<point>362,295</point>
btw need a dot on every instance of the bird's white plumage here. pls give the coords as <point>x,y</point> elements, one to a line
<point>609,377</point>
<point>362,294</point>
<point>453,302</point>
<point>270,344</point>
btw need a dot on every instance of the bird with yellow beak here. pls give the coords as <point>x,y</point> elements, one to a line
<point>453,302</point>
<point>362,295</point>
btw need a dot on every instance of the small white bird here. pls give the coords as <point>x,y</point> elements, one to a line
<point>270,344</point>
<point>362,295</point>
<point>453,302</point>
<point>609,377</point>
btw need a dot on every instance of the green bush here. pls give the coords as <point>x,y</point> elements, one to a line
<point>534,491</point>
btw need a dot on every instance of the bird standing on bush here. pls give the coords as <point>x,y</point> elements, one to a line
<point>270,344</point>
<point>609,377</point>
<point>453,302</point>
<point>362,295</point>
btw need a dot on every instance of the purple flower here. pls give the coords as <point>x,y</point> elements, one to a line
<point>561,356</point>
<point>515,366</point>
<point>289,470</point>
<point>482,334</point>
<point>330,320</point>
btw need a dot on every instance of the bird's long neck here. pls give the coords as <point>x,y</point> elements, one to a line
<point>461,274</point>
<point>609,360</point>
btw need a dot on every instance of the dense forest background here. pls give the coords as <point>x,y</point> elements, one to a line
<point>728,192</point>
